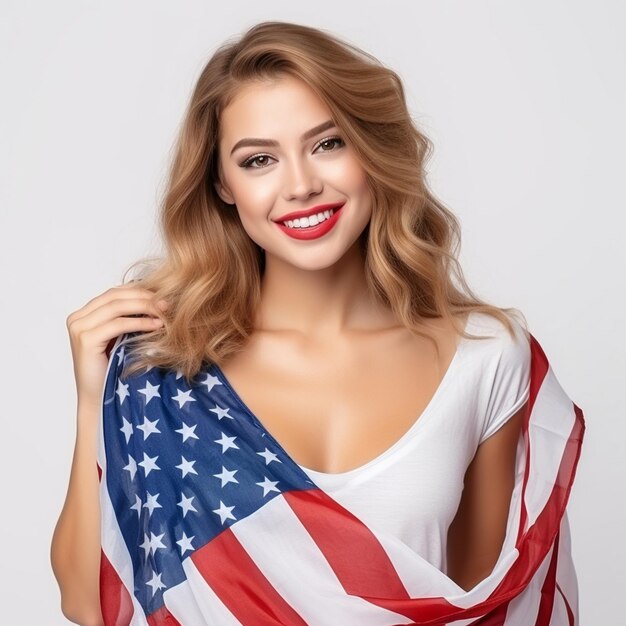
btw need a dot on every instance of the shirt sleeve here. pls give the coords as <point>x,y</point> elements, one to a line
<point>509,379</point>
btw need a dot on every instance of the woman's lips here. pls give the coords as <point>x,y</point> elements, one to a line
<point>320,208</point>
<point>312,232</point>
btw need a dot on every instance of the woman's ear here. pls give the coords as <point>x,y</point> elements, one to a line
<point>224,193</point>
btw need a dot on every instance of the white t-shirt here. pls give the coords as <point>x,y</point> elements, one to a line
<point>413,489</point>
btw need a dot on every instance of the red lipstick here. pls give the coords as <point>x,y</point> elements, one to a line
<point>315,231</point>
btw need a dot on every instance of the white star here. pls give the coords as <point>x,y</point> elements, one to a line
<point>185,504</point>
<point>226,442</point>
<point>179,373</point>
<point>224,512</point>
<point>122,391</point>
<point>269,457</point>
<point>137,505</point>
<point>268,485</point>
<point>153,543</point>
<point>227,476</point>
<point>210,381</point>
<point>127,429</point>
<point>185,543</point>
<point>148,427</point>
<point>150,391</point>
<point>149,463</point>
<point>186,466</point>
<point>151,503</point>
<point>221,412</point>
<point>182,397</point>
<point>131,467</point>
<point>120,353</point>
<point>156,583</point>
<point>187,431</point>
<point>146,545</point>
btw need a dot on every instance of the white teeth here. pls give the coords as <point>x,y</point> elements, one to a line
<point>312,220</point>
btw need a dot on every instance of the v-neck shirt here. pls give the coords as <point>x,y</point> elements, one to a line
<point>412,490</point>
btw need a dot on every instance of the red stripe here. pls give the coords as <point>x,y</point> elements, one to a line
<point>162,617</point>
<point>352,550</point>
<point>538,370</point>
<point>546,605</point>
<point>228,569</point>
<point>115,601</point>
<point>496,617</point>
<point>365,570</point>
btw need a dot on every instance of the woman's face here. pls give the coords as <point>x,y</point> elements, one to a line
<point>267,182</point>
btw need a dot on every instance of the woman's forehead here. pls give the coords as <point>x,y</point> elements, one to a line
<point>270,111</point>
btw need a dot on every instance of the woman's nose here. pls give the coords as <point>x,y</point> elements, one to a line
<point>302,180</point>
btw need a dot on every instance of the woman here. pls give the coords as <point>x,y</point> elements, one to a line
<point>310,296</point>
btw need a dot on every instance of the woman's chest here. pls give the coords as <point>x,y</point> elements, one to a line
<point>335,408</point>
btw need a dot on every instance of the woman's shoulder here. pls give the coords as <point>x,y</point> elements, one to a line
<point>508,350</point>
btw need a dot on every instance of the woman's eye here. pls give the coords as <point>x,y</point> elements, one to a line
<point>252,159</point>
<point>330,141</point>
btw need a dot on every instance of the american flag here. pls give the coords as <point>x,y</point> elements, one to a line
<point>206,520</point>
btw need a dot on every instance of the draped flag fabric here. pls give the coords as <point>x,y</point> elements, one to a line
<point>206,520</point>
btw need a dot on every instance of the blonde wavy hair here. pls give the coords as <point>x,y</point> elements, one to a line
<point>211,271</point>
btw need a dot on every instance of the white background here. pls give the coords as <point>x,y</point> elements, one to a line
<point>525,104</point>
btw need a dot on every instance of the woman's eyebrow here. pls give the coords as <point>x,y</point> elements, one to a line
<point>251,141</point>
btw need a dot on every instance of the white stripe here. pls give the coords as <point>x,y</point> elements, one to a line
<point>559,612</point>
<point>289,558</point>
<point>551,423</point>
<point>565,570</point>
<point>193,602</point>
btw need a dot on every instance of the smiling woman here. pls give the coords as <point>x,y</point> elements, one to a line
<point>323,395</point>
<point>272,199</point>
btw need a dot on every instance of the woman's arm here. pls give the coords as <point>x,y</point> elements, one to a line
<point>476,534</point>
<point>75,549</point>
